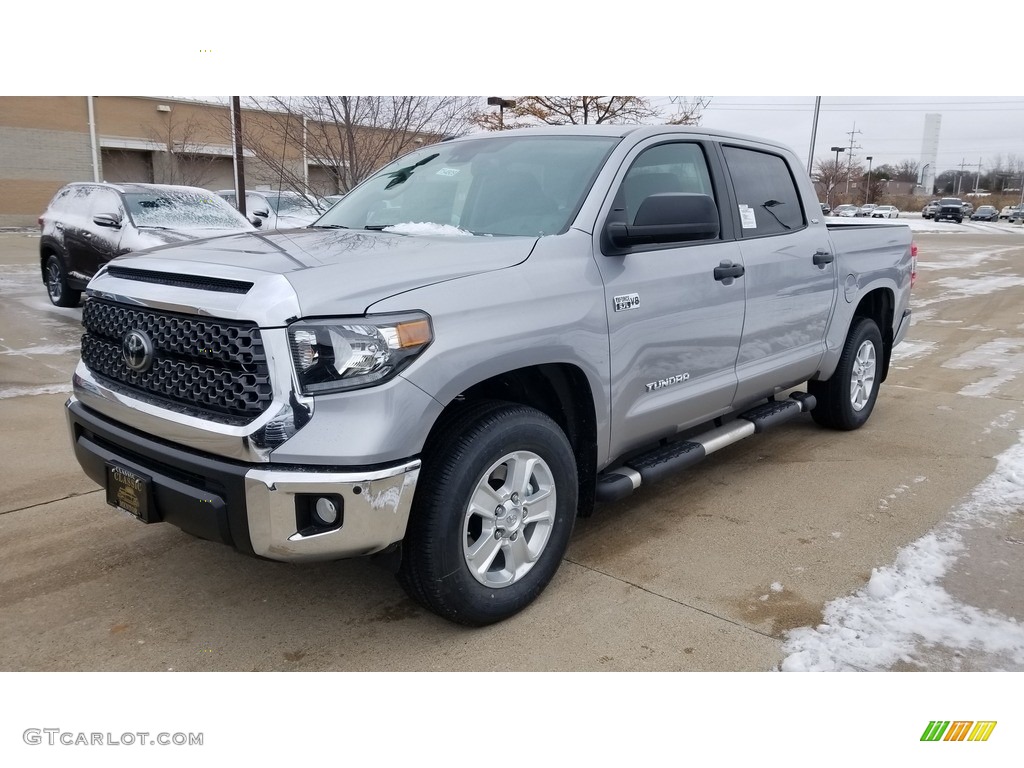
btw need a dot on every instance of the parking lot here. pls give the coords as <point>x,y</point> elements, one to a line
<point>710,570</point>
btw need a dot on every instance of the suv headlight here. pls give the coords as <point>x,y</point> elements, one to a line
<point>337,354</point>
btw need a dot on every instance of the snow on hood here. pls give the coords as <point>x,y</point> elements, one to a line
<point>427,228</point>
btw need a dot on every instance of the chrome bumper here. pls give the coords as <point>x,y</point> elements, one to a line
<point>375,513</point>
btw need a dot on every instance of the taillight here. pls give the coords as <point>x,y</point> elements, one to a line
<point>913,264</point>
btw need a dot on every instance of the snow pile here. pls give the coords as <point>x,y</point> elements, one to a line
<point>904,604</point>
<point>427,228</point>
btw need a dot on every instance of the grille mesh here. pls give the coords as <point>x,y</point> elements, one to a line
<point>217,366</point>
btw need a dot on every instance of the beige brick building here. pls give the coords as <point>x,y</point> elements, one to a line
<point>48,141</point>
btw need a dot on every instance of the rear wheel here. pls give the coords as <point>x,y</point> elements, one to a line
<point>57,284</point>
<point>495,506</point>
<point>846,400</point>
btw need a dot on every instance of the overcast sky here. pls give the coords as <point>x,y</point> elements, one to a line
<point>888,128</point>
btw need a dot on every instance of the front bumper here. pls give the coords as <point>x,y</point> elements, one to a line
<point>260,510</point>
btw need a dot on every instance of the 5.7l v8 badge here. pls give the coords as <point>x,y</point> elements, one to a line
<point>627,301</point>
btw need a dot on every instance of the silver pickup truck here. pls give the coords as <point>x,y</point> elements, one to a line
<point>477,344</point>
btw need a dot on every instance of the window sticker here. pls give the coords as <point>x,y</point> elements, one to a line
<point>747,218</point>
<point>447,172</point>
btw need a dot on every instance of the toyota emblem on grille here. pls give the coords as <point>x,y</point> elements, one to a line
<point>137,350</point>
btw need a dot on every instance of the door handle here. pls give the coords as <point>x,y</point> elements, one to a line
<point>727,271</point>
<point>821,258</point>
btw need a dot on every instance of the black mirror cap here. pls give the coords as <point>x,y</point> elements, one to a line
<point>668,218</point>
<point>261,212</point>
<point>256,221</point>
<point>111,220</point>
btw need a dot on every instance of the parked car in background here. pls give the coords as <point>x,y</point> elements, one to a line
<point>885,212</point>
<point>1008,210</point>
<point>88,224</point>
<point>930,209</point>
<point>968,208</point>
<point>951,208</point>
<point>1017,214</point>
<point>866,209</point>
<point>845,210</point>
<point>986,213</point>
<point>825,208</point>
<point>277,210</point>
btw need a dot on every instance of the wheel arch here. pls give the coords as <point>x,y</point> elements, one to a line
<point>878,305</point>
<point>559,390</point>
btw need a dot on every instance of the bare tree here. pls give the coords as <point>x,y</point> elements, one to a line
<point>346,138</point>
<point>688,110</point>
<point>828,174</point>
<point>907,170</point>
<point>590,110</point>
<point>191,159</point>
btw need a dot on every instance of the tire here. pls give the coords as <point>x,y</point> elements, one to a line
<point>480,548</point>
<point>846,400</point>
<point>57,284</point>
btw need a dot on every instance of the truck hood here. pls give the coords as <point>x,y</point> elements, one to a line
<point>333,272</point>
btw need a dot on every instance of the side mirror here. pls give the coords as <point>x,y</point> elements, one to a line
<point>256,221</point>
<point>111,220</point>
<point>263,212</point>
<point>668,218</point>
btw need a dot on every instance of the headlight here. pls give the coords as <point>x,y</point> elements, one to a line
<point>348,353</point>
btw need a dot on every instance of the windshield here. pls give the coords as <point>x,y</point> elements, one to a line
<point>291,203</point>
<point>182,209</point>
<point>522,185</point>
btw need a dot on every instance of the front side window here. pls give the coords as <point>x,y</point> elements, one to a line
<point>520,185</point>
<point>666,168</point>
<point>769,203</point>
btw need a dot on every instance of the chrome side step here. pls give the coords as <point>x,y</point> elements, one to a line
<point>618,483</point>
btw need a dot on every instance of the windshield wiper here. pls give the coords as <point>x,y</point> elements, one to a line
<point>768,205</point>
<point>329,226</point>
<point>377,227</point>
<point>402,174</point>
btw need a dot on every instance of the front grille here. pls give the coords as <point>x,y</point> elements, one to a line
<point>216,366</point>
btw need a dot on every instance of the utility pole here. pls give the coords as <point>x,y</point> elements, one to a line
<point>977,176</point>
<point>814,134</point>
<point>236,140</point>
<point>849,163</point>
<point>963,162</point>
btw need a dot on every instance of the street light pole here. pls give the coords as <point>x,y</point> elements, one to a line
<point>837,150</point>
<point>867,192</point>
<point>501,104</point>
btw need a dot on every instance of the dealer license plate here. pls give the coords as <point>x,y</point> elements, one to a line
<point>128,490</point>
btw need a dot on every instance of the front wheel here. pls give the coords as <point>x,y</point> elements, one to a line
<point>846,400</point>
<point>495,506</point>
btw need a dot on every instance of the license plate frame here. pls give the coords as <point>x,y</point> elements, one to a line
<point>129,490</point>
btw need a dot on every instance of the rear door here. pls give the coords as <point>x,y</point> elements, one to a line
<point>674,329</point>
<point>790,278</point>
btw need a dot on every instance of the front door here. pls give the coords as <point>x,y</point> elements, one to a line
<point>674,329</point>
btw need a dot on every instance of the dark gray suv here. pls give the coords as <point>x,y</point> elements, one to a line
<point>88,224</point>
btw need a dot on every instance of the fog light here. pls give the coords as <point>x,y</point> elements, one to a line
<point>326,511</point>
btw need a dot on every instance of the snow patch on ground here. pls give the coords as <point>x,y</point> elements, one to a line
<point>49,389</point>
<point>956,261</point>
<point>1003,355</point>
<point>43,349</point>
<point>904,606</point>
<point>907,349</point>
<point>966,287</point>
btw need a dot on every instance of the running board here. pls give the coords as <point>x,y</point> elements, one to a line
<point>668,459</point>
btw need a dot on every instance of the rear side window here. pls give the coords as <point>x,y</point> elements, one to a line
<point>769,203</point>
